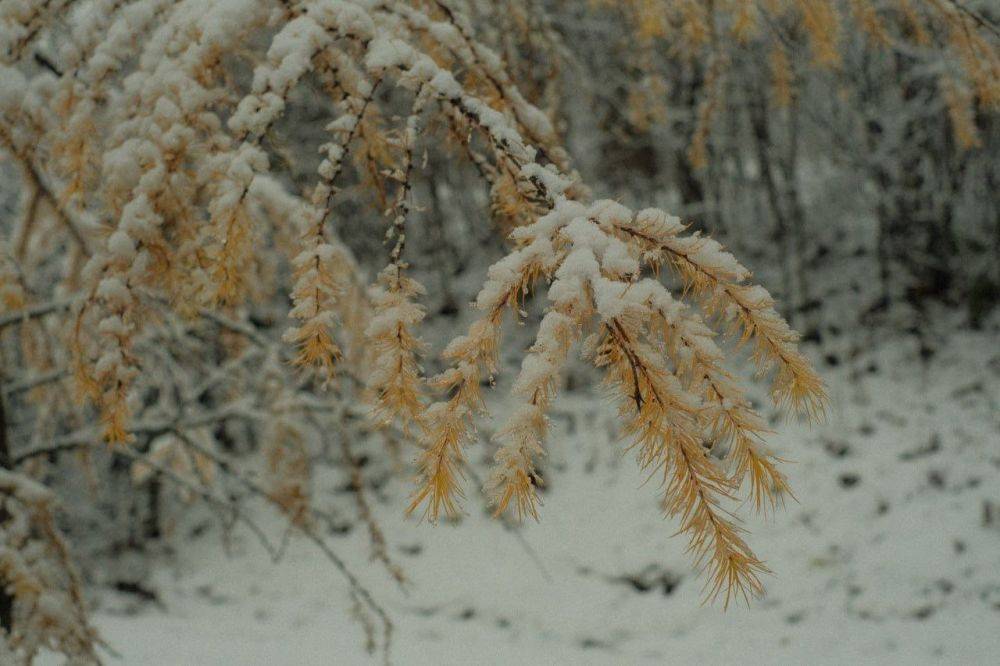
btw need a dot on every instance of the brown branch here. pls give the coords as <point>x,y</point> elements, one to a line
<point>308,532</point>
<point>33,311</point>
<point>977,18</point>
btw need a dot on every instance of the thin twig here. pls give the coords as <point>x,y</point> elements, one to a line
<point>305,529</point>
<point>232,507</point>
<point>978,18</point>
<point>525,545</point>
<point>34,311</point>
<point>35,381</point>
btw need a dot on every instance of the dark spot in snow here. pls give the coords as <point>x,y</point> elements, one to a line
<point>991,595</point>
<point>209,593</point>
<point>867,429</point>
<point>651,578</point>
<point>138,590</point>
<point>812,335</point>
<point>882,507</point>
<point>966,391</point>
<point>503,622</point>
<point>836,448</point>
<point>832,360</point>
<point>795,618</point>
<point>959,546</point>
<point>929,449</point>
<point>339,528</point>
<point>936,478</point>
<point>991,513</point>
<point>849,480</point>
<point>872,368</point>
<point>922,613</point>
<point>413,550</point>
<point>467,614</point>
<point>200,529</point>
<point>891,418</point>
<point>593,643</point>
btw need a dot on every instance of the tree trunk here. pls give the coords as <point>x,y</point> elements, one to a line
<point>762,140</point>
<point>802,302</point>
<point>6,600</point>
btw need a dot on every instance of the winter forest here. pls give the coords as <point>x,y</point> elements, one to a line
<point>499,332</point>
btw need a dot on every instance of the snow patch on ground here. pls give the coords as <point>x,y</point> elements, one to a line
<point>890,555</point>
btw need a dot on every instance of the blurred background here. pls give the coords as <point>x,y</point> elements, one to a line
<point>847,152</point>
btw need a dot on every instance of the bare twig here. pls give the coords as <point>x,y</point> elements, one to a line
<point>976,17</point>
<point>513,529</point>
<point>35,381</point>
<point>34,311</point>
<point>304,527</point>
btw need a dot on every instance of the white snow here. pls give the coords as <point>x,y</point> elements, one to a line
<point>884,559</point>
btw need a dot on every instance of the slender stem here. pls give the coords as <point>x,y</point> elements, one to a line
<point>33,311</point>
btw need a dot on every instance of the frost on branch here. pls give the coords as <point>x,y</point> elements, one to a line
<point>188,228</point>
<point>661,365</point>
<point>49,610</point>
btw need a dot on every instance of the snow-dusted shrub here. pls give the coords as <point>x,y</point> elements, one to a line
<point>45,607</point>
<point>159,206</point>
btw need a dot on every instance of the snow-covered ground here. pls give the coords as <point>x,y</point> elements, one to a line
<point>890,555</point>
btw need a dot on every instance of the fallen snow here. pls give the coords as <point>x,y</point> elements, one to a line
<point>891,554</point>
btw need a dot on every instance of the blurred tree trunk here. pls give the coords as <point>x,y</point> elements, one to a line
<point>796,214</point>
<point>6,600</point>
<point>689,86</point>
<point>759,111</point>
